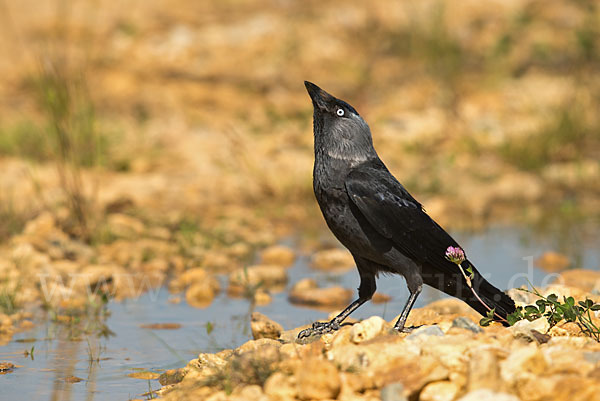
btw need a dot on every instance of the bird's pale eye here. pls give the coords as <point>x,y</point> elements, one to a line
<point>340,112</point>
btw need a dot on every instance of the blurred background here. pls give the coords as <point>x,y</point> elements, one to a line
<point>151,137</point>
<point>485,111</point>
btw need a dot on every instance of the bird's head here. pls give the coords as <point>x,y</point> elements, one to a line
<point>340,131</point>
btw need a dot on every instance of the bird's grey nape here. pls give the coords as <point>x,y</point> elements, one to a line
<point>347,139</point>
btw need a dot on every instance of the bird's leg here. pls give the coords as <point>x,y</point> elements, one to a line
<point>320,328</point>
<point>365,292</point>
<point>399,326</point>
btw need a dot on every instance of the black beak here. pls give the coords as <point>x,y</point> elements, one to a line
<point>319,97</point>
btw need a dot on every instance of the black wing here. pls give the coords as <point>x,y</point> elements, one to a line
<point>396,215</point>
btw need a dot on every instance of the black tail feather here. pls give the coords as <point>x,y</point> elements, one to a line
<point>493,298</point>
<point>456,286</point>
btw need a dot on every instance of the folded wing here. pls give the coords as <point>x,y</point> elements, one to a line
<point>396,215</point>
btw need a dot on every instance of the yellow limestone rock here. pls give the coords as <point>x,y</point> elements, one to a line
<point>263,327</point>
<point>278,255</point>
<point>317,379</point>
<point>367,329</point>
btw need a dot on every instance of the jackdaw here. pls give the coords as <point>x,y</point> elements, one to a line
<point>381,224</point>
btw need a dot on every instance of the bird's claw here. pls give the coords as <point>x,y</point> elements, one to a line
<point>319,328</point>
<point>407,329</point>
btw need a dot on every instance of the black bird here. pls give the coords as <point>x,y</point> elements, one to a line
<point>381,224</point>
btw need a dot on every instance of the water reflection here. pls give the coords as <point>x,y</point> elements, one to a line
<point>65,359</point>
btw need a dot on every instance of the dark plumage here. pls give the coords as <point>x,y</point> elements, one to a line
<point>380,223</point>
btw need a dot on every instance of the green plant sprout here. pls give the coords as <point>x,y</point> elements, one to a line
<point>554,311</point>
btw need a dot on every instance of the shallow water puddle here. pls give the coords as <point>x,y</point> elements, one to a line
<point>151,334</point>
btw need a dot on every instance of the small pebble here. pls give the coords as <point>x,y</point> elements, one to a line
<point>466,323</point>
<point>425,331</point>
<point>393,392</point>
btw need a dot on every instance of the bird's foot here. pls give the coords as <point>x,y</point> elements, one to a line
<point>409,329</point>
<point>319,328</point>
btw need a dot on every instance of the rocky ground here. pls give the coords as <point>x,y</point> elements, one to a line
<point>449,358</point>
